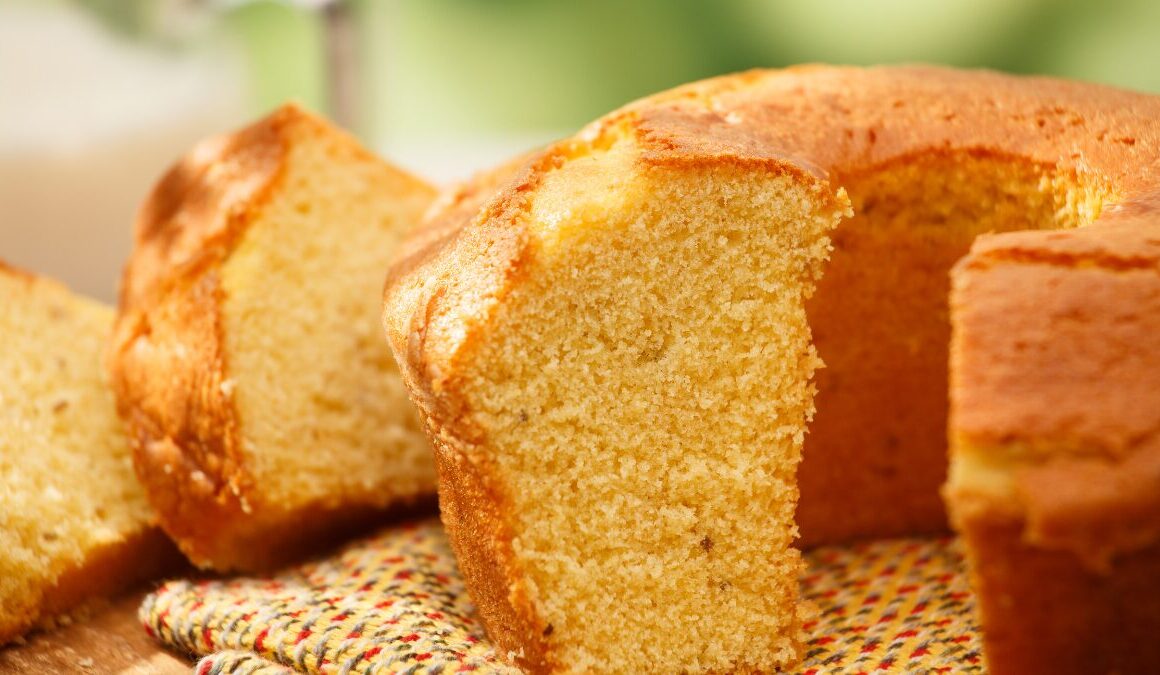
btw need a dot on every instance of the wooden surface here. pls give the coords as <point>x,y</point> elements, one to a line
<point>111,640</point>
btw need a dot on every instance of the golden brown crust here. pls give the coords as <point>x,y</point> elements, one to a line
<point>470,503</point>
<point>1107,280</point>
<point>200,206</point>
<point>1059,378</point>
<point>16,272</point>
<point>183,425</point>
<point>472,512</point>
<point>814,121</point>
<point>144,555</point>
<point>168,359</point>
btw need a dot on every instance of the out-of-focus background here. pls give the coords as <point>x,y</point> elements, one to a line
<point>97,97</point>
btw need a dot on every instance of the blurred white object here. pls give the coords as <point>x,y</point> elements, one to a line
<point>88,121</point>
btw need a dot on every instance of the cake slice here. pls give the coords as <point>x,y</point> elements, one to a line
<point>74,522</point>
<point>265,411</point>
<point>617,449</point>
<point>1055,428</point>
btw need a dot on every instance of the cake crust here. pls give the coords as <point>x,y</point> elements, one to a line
<point>184,427</point>
<point>1064,540</point>
<point>471,506</point>
<point>815,122</point>
<point>1072,418</point>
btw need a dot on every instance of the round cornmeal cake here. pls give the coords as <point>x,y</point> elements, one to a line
<point>623,346</point>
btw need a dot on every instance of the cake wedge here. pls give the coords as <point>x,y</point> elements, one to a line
<point>266,413</point>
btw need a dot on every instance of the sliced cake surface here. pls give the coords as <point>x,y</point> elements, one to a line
<point>616,347</point>
<point>74,522</point>
<point>626,513</point>
<point>266,413</point>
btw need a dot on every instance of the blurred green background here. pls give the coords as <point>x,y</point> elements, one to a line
<point>98,96</point>
<point>518,64</point>
<point>464,67</point>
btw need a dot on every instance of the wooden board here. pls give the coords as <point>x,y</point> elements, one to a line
<point>110,641</point>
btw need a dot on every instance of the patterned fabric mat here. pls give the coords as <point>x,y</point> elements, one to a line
<point>394,603</point>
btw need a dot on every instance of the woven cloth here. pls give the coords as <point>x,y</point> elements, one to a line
<point>394,603</point>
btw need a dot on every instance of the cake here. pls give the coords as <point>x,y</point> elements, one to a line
<point>266,415</point>
<point>74,523</point>
<point>617,348</point>
<point>1055,466</point>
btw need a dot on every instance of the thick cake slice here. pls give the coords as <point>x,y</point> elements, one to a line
<point>602,471</point>
<point>265,410</point>
<point>74,522</point>
<point>1055,427</point>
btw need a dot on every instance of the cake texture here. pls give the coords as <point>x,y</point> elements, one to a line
<point>265,412</point>
<point>74,522</point>
<point>615,347</point>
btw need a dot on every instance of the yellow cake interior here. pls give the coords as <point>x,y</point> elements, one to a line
<point>610,395</point>
<point>67,489</point>
<point>324,417</point>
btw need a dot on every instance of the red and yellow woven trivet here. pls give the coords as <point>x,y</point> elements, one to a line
<point>394,603</point>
